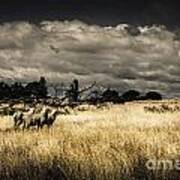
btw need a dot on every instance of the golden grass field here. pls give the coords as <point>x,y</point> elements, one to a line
<point>111,143</point>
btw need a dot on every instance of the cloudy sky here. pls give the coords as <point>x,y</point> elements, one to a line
<point>91,50</point>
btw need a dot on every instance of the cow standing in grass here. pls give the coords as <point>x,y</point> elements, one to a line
<point>35,120</point>
<point>19,116</point>
<point>51,118</point>
<point>18,119</point>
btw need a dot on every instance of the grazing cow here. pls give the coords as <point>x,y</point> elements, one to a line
<point>19,116</point>
<point>51,118</point>
<point>18,119</point>
<point>36,119</point>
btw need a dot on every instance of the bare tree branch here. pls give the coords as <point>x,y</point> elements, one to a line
<point>88,88</point>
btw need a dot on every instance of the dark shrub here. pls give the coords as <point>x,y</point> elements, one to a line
<point>131,95</point>
<point>5,90</point>
<point>17,90</point>
<point>152,95</point>
<point>110,96</point>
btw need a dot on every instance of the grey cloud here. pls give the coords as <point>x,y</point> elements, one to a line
<point>62,51</point>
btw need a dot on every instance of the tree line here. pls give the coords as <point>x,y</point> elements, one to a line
<point>36,89</point>
<point>39,89</point>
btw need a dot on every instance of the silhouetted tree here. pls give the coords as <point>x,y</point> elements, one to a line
<point>153,95</point>
<point>131,95</point>
<point>5,90</point>
<point>73,94</point>
<point>17,90</point>
<point>37,89</point>
<point>43,87</point>
<point>75,90</point>
<point>110,96</point>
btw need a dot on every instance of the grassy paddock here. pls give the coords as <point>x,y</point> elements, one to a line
<point>107,144</point>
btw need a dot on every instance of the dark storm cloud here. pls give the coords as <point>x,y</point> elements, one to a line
<point>102,12</point>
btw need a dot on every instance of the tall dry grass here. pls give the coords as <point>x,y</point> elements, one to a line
<point>107,144</point>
